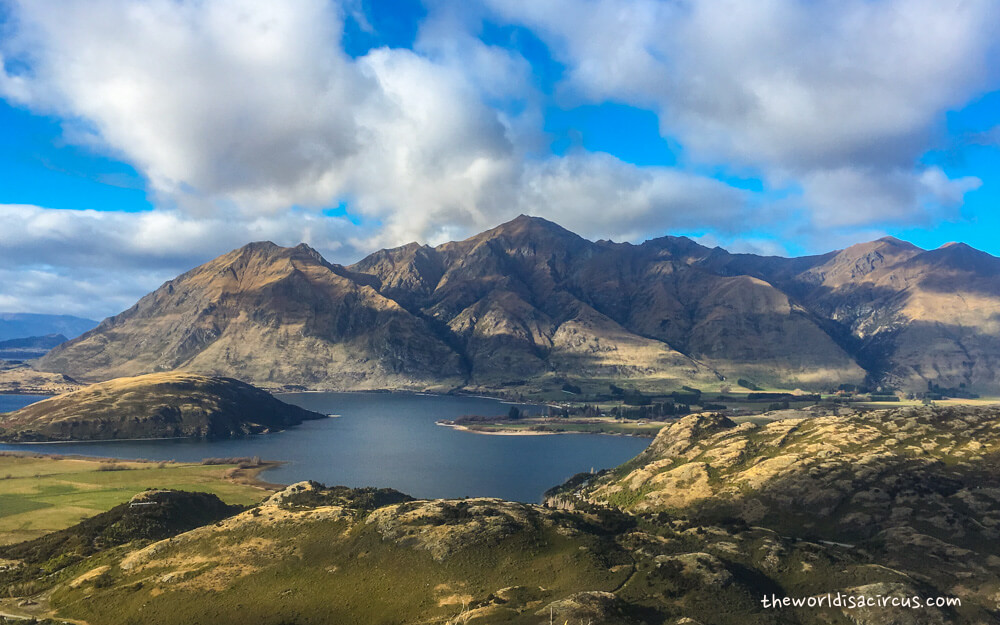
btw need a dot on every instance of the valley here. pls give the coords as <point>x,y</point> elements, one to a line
<point>499,312</point>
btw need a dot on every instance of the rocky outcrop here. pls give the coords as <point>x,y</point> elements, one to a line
<point>310,554</point>
<point>915,488</point>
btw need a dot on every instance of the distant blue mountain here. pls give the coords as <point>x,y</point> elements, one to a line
<point>23,325</point>
<point>29,347</point>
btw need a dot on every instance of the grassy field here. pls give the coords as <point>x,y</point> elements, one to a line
<point>41,494</point>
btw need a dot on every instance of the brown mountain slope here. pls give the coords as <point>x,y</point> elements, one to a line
<point>911,317</point>
<point>529,297</point>
<point>529,305</point>
<point>156,405</point>
<point>507,299</point>
<point>739,325</point>
<point>270,315</point>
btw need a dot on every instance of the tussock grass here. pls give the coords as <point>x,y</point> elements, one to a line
<point>43,494</point>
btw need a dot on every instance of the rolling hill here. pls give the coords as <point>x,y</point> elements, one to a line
<point>160,405</point>
<point>915,488</point>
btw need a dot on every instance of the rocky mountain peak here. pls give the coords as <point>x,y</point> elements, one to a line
<point>891,240</point>
<point>525,228</point>
<point>267,251</point>
<point>963,257</point>
<point>864,261</point>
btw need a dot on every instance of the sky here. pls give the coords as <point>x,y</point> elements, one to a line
<point>141,138</point>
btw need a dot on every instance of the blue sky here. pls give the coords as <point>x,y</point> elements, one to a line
<point>142,138</point>
<point>39,166</point>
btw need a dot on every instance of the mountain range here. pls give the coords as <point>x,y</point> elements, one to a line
<point>529,305</point>
<point>29,346</point>
<point>25,325</point>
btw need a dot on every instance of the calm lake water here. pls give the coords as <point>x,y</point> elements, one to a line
<point>390,440</point>
<point>16,402</point>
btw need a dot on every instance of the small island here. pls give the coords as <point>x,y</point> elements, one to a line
<point>630,412</point>
<point>577,420</point>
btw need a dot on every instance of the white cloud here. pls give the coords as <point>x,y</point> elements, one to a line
<point>35,236</point>
<point>99,263</point>
<point>803,91</point>
<point>85,293</point>
<point>599,196</point>
<point>852,196</point>
<point>253,107</point>
<point>247,117</point>
<point>250,101</point>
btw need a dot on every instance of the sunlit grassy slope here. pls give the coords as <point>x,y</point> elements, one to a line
<point>40,494</point>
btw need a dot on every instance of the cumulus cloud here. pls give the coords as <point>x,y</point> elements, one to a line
<point>853,196</point>
<point>250,101</point>
<point>599,196</point>
<point>254,106</point>
<point>811,93</point>
<point>151,240</point>
<point>98,263</point>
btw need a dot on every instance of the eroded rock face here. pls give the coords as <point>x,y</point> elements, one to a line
<point>443,527</point>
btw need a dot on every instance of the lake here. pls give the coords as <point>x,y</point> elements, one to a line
<point>16,402</point>
<point>390,440</point>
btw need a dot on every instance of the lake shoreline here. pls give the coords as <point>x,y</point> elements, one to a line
<point>248,475</point>
<point>504,399</point>
<point>388,440</point>
<point>465,428</point>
